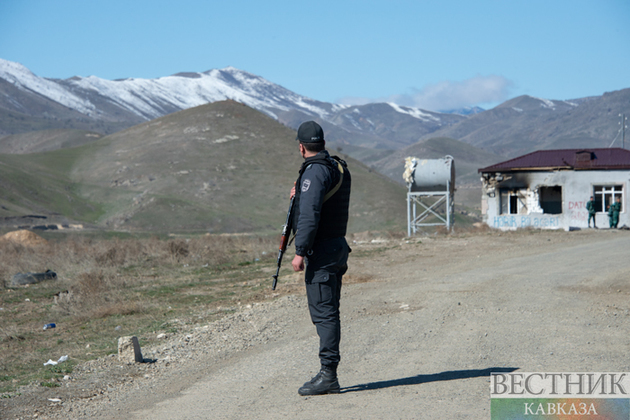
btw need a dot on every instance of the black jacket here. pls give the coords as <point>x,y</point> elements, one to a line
<point>318,219</point>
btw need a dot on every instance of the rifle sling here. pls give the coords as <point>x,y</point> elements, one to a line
<point>336,188</point>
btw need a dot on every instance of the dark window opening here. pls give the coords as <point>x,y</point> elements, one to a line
<point>513,201</point>
<point>513,204</point>
<point>551,199</point>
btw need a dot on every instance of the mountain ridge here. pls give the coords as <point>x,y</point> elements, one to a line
<point>519,125</point>
<point>526,123</point>
<point>131,101</point>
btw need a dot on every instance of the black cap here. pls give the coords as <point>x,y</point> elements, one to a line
<point>310,132</point>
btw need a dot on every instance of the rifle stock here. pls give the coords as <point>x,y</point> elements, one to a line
<point>284,242</point>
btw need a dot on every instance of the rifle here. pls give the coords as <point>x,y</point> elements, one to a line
<point>284,241</point>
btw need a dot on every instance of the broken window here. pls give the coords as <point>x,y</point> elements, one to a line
<point>513,201</point>
<point>550,199</point>
<point>605,195</point>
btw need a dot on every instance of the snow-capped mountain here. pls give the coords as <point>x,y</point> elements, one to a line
<point>153,98</point>
<point>25,80</point>
<point>29,103</point>
<point>136,100</point>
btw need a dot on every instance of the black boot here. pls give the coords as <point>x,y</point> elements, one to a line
<point>325,382</point>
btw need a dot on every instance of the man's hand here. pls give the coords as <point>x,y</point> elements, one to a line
<point>292,191</point>
<point>298,263</point>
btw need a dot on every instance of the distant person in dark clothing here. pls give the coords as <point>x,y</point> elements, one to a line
<point>590,206</point>
<point>609,211</point>
<point>613,213</point>
<point>322,197</point>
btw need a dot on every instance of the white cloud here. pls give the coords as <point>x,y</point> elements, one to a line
<point>446,95</point>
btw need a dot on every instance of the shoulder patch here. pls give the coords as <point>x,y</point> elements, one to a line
<point>306,184</point>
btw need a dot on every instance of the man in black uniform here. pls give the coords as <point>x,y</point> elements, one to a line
<point>322,197</point>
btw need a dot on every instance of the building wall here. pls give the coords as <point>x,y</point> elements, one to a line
<point>521,193</point>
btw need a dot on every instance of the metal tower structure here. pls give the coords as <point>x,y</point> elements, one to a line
<point>431,189</point>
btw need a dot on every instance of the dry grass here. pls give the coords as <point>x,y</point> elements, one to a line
<point>106,288</point>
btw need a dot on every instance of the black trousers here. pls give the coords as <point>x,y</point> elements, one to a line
<point>325,268</point>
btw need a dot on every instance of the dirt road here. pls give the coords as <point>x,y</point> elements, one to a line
<point>424,324</point>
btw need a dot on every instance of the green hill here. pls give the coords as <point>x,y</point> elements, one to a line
<point>220,167</point>
<point>38,184</point>
<point>46,140</point>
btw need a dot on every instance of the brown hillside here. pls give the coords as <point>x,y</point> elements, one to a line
<point>220,167</point>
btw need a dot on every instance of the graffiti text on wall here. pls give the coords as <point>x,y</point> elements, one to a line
<point>577,210</point>
<point>525,221</point>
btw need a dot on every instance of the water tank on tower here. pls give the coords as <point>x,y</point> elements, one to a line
<point>431,186</point>
<point>430,174</point>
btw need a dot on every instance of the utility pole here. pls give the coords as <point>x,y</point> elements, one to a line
<point>623,123</point>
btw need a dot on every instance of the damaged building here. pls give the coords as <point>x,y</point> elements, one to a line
<point>548,189</point>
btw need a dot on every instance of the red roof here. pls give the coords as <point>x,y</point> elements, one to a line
<point>577,159</point>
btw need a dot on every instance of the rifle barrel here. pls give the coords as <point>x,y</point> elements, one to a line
<point>284,242</point>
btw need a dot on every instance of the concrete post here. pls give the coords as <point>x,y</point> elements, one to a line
<point>129,350</point>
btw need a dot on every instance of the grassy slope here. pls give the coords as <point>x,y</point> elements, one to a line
<point>38,184</point>
<point>221,167</point>
<point>46,140</point>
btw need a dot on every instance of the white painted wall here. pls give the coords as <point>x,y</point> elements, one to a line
<point>577,187</point>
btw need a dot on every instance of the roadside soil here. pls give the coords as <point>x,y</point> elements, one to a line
<point>424,322</point>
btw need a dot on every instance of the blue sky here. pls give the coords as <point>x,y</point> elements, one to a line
<point>431,54</point>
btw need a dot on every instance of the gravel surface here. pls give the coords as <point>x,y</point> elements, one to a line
<point>424,323</point>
